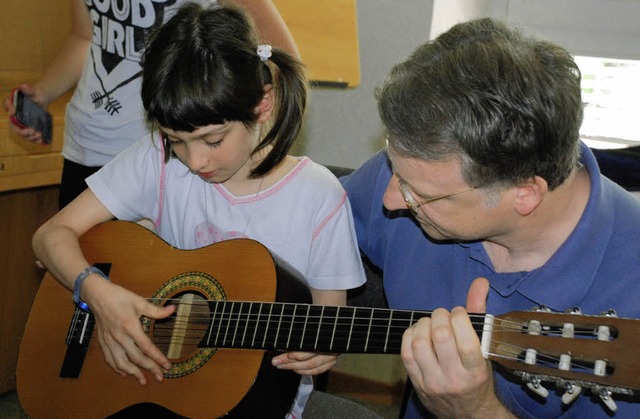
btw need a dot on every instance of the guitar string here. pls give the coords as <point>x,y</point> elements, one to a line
<point>516,327</point>
<point>183,327</point>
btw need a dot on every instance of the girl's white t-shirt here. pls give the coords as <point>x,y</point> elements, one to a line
<point>305,218</point>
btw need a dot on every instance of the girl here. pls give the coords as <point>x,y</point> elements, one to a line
<point>215,167</point>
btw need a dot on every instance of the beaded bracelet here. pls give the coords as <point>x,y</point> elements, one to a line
<point>78,285</point>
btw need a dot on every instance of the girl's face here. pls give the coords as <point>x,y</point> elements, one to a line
<point>216,153</point>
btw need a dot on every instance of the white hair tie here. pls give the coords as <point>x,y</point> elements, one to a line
<point>264,52</point>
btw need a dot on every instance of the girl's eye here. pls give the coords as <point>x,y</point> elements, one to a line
<point>214,144</point>
<point>172,141</point>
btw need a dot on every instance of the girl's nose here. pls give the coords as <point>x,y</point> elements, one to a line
<point>392,198</point>
<point>196,159</point>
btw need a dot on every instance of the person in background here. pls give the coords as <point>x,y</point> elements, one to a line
<point>101,59</point>
<point>223,112</point>
<point>485,197</point>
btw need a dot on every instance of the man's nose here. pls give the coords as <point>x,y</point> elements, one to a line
<point>393,199</point>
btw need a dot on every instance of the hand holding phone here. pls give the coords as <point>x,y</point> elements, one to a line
<point>28,114</point>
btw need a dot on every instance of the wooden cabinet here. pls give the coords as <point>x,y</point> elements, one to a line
<point>31,31</point>
<point>25,165</point>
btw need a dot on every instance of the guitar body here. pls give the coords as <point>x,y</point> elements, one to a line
<point>224,382</point>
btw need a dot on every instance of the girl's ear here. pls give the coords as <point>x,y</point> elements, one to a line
<point>266,105</point>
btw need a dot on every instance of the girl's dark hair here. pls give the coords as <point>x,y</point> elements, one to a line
<point>201,68</point>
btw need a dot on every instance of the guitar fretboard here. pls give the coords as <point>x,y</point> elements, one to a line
<point>307,327</point>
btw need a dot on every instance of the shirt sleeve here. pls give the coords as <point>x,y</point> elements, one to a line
<point>129,184</point>
<point>335,261</point>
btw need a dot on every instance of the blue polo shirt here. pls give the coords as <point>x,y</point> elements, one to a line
<point>596,269</point>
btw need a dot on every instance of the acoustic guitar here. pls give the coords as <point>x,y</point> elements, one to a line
<point>237,305</point>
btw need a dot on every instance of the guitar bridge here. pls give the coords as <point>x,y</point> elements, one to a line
<point>78,339</point>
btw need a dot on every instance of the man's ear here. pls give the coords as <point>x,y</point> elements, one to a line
<point>266,105</point>
<point>530,194</point>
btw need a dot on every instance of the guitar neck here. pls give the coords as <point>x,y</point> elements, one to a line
<point>306,327</point>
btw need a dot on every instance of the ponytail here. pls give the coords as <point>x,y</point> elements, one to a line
<point>291,88</point>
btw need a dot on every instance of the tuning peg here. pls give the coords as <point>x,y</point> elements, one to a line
<point>609,313</point>
<point>573,310</point>
<point>571,393</point>
<point>605,396</point>
<point>541,307</point>
<point>533,383</point>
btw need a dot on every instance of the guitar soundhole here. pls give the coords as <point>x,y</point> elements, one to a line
<point>178,336</point>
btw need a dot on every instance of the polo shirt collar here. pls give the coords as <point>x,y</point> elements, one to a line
<point>564,280</point>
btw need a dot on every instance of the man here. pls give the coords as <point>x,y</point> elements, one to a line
<point>491,200</point>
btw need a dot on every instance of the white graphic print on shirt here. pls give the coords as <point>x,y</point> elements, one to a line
<point>120,29</point>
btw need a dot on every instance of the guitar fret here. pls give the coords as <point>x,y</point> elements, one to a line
<point>360,329</point>
<point>255,331</point>
<point>239,321</point>
<point>304,327</point>
<point>229,327</point>
<point>335,324</point>
<point>293,317</point>
<point>266,329</point>
<point>312,327</point>
<point>279,324</point>
<point>246,324</point>
<point>213,322</point>
<point>224,323</point>
<point>386,339</point>
<point>327,328</point>
<point>342,335</point>
<point>366,345</point>
<point>379,324</point>
<point>315,345</point>
<point>350,336</point>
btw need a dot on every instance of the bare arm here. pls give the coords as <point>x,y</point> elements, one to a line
<point>56,242</point>
<point>124,344</point>
<point>271,26</point>
<point>65,69</point>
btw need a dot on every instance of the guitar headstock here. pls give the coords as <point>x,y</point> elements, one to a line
<point>573,350</point>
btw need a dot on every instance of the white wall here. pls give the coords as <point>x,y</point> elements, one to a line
<point>598,28</point>
<point>343,127</point>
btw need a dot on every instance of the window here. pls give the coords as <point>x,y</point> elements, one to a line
<point>611,93</point>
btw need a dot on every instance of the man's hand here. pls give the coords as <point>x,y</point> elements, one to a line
<point>445,364</point>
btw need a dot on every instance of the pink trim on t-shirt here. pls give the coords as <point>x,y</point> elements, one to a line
<point>275,188</point>
<point>163,175</point>
<point>328,218</point>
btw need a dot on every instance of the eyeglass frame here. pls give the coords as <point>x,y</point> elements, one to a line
<point>411,203</point>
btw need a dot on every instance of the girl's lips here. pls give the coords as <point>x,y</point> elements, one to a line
<point>207,175</point>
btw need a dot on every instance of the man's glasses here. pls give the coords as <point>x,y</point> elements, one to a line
<point>413,205</point>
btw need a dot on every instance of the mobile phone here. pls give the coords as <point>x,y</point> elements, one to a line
<point>29,114</point>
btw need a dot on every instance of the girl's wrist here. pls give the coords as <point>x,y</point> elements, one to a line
<point>79,282</point>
